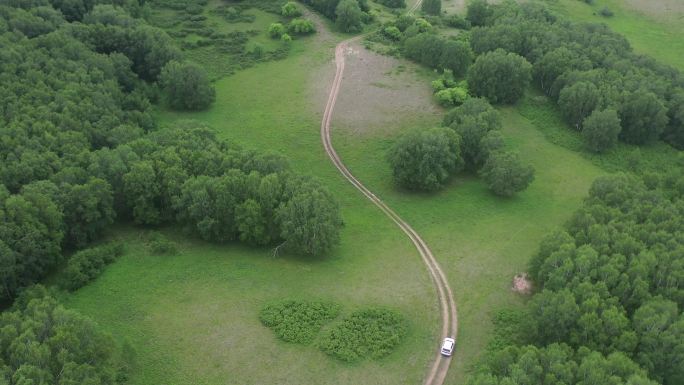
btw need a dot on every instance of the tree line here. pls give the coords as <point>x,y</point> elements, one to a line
<point>79,147</point>
<point>590,71</point>
<point>602,88</point>
<point>610,288</point>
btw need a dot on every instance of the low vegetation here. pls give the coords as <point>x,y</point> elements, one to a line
<point>366,334</point>
<point>298,321</point>
<point>86,265</point>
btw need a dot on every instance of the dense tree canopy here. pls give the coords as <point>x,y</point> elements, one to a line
<point>499,76</point>
<point>590,66</point>
<point>44,343</point>
<point>601,130</point>
<point>472,121</point>
<point>186,86</point>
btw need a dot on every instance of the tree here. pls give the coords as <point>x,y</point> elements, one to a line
<point>674,134</point>
<point>578,101</point>
<point>601,130</point>
<point>425,159</point>
<point>310,221</point>
<point>431,7</point>
<point>186,86</point>
<point>46,343</point>
<point>499,76</point>
<point>643,117</point>
<point>142,192</point>
<point>456,56</point>
<point>505,175</point>
<point>349,16</point>
<point>661,340</point>
<point>478,12</point>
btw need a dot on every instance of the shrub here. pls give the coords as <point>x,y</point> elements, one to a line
<point>301,26</point>
<point>392,33</point>
<point>276,30</point>
<point>606,12</point>
<point>290,9</point>
<point>88,264</point>
<point>370,333</point>
<point>450,97</point>
<point>457,21</point>
<point>159,244</point>
<point>298,321</point>
<point>286,38</point>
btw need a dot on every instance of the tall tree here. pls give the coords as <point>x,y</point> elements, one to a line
<point>601,130</point>
<point>186,86</point>
<point>505,174</point>
<point>425,159</point>
<point>349,16</point>
<point>499,76</point>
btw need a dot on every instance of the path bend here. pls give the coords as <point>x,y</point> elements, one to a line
<point>440,365</point>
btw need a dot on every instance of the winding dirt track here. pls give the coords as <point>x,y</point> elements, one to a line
<point>440,365</point>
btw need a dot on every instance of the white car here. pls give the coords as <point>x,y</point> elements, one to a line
<point>448,346</point>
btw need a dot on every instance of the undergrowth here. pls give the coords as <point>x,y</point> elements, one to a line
<point>298,321</point>
<point>369,333</point>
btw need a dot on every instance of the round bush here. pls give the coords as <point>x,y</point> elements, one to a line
<point>500,76</point>
<point>370,333</point>
<point>298,321</point>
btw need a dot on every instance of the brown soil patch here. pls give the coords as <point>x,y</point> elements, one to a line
<point>522,284</point>
<point>381,94</point>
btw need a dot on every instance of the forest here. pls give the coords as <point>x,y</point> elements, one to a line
<point>83,151</point>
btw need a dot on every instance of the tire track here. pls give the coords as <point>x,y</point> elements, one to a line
<point>440,365</point>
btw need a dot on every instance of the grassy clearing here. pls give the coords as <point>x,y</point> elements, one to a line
<point>659,36</point>
<point>482,241</point>
<point>193,317</point>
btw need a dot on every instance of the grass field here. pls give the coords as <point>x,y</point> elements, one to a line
<point>193,318</point>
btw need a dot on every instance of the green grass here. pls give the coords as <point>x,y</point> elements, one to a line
<point>662,38</point>
<point>193,317</point>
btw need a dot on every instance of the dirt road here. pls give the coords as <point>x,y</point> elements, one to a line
<point>440,365</point>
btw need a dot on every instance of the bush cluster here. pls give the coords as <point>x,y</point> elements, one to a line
<point>88,264</point>
<point>371,333</point>
<point>298,321</point>
<point>159,244</point>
